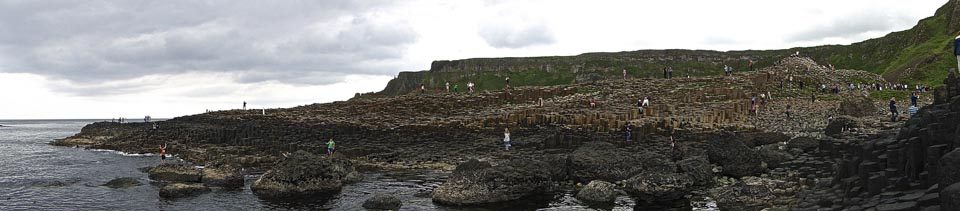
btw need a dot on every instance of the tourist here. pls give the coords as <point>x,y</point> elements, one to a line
<point>331,147</point>
<point>829,118</point>
<point>508,81</point>
<point>750,64</point>
<point>624,74</point>
<point>913,99</point>
<point>447,85</point>
<point>912,110</point>
<point>753,105</point>
<point>893,110</point>
<point>664,72</point>
<point>163,152</point>
<point>423,88</point>
<point>640,106</point>
<point>470,86</point>
<point>628,132</point>
<point>787,111</point>
<point>456,88</point>
<point>244,105</point>
<point>646,101</point>
<point>670,72</point>
<point>506,139</point>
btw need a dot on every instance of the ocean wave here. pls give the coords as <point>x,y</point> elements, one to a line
<point>124,153</point>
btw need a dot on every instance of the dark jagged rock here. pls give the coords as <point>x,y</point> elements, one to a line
<point>600,192</point>
<point>698,169</point>
<point>840,124</point>
<point>604,161</point>
<point>510,181</point>
<point>803,143</point>
<point>382,202</point>
<point>179,190</point>
<point>773,157</point>
<point>659,186</point>
<point>123,182</point>
<point>175,173</point>
<point>471,165</point>
<point>737,159</point>
<point>950,197</point>
<point>742,196</point>
<point>950,168</point>
<point>304,175</point>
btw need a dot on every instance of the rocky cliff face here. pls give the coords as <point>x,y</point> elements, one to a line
<point>919,55</point>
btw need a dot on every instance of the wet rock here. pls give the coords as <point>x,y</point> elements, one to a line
<point>179,190</point>
<point>659,186</point>
<point>510,181</point>
<point>950,196</point>
<point>603,161</point>
<point>597,191</point>
<point>175,173</point>
<point>223,176</point>
<point>304,175</point>
<point>123,182</point>
<point>737,159</point>
<point>382,202</point>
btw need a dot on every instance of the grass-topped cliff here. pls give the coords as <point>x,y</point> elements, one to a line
<point>920,55</point>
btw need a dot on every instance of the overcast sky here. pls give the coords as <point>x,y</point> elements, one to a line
<point>104,59</point>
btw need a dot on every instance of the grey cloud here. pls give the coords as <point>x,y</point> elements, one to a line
<point>853,25</point>
<point>289,41</point>
<point>507,36</point>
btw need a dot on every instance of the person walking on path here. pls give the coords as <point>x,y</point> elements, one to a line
<point>628,132</point>
<point>893,110</point>
<point>913,99</point>
<point>506,139</point>
<point>331,147</point>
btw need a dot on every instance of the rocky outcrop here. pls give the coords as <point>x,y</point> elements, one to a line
<point>382,202</point>
<point>599,192</point>
<point>950,197</point>
<point>735,157</point>
<point>179,190</point>
<point>698,169</point>
<point>223,176</point>
<point>123,182</point>
<point>175,173</point>
<point>604,161</point>
<point>507,182</point>
<point>840,124</point>
<point>305,175</point>
<point>743,196</point>
<point>950,168</point>
<point>659,186</point>
<point>859,106</point>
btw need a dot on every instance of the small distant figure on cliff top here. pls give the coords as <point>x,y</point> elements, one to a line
<point>331,147</point>
<point>447,85</point>
<point>727,70</point>
<point>244,105</point>
<point>506,139</point>
<point>893,110</point>
<point>423,88</point>
<point>750,64</point>
<point>155,126</point>
<point>664,72</point>
<point>669,72</point>
<point>470,86</point>
<point>507,81</point>
<point>163,152</point>
<point>797,54</point>
<point>263,111</point>
<point>624,74</point>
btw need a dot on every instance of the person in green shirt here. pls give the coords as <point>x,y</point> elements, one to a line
<point>331,146</point>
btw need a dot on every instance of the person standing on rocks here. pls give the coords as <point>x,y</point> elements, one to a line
<point>753,105</point>
<point>506,139</point>
<point>423,88</point>
<point>787,112</point>
<point>331,147</point>
<point>750,64</point>
<point>624,74</point>
<point>669,72</point>
<point>640,106</point>
<point>447,85</point>
<point>912,110</point>
<point>163,152</point>
<point>913,99</point>
<point>244,105</point>
<point>470,86</point>
<point>893,109</point>
<point>456,88</point>
<point>628,132</point>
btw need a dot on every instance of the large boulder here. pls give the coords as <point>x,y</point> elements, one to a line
<point>735,157</point>
<point>773,156</point>
<point>659,186</point>
<point>223,176</point>
<point>597,191</point>
<point>950,196</point>
<point>950,168</point>
<point>840,124</point>
<point>603,161</point>
<point>175,173</point>
<point>123,182</point>
<point>859,106</point>
<point>510,181</point>
<point>382,202</point>
<point>304,175</point>
<point>698,169</point>
<point>178,190</point>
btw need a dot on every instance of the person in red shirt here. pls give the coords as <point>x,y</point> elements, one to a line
<point>163,152</point>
